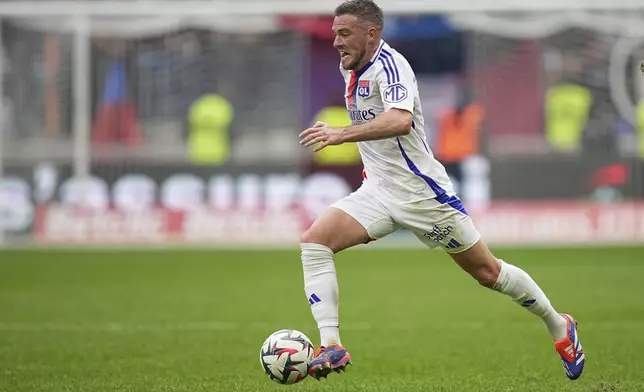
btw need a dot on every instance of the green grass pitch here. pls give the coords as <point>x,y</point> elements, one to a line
<point>195,320</point>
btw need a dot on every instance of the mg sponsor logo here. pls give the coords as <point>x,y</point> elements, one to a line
<point>395,93</point>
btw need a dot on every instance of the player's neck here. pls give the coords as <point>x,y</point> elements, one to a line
<point>368,56</point>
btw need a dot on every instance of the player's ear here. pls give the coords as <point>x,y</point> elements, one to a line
<point>373,33</point>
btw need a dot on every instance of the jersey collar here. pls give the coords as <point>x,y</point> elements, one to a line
<point>375,56</point>
<point>373,59</point>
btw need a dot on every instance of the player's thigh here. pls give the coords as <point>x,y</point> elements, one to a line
<point>354,220</point>
<point>437,225</point>
<point>449,227</point>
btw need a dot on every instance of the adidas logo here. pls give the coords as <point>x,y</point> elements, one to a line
<point>313,299</point>
<point>453,244</point>
<point>528,303</point>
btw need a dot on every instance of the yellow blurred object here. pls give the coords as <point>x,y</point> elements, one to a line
<point>567,110</point>
<point>209,119</point>
<point>343,154</point>
<point>640,128</point>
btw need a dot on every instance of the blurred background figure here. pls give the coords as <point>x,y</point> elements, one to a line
<point>517,115</point>
<point>116,120</point>
<point>458,132</point>
<point>208,139</point>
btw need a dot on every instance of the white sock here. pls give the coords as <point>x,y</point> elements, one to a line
<point>321,287</point>
<point>519,286</point>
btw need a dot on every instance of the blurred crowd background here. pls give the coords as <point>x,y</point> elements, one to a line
<point>550,117</point>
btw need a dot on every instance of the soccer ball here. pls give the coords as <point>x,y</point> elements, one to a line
<point>286,355</point>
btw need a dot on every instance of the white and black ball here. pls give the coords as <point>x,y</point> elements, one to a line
<point>286,355</point>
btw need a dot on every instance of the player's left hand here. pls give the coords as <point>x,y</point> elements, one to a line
<point>323,134</point>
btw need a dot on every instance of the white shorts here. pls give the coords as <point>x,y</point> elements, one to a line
<point>436,224</point>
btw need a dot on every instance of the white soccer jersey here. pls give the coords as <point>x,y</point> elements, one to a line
<point>402,168</point>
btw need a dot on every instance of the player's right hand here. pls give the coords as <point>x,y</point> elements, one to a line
<point>322,135</point>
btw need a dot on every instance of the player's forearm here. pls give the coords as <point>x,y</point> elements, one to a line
<point>389,124</point>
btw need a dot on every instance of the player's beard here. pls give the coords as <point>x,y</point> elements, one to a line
<point>356,60</point>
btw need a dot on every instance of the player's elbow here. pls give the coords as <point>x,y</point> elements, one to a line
<point>405,123</point>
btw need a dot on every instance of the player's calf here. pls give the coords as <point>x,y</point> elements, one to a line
<point>513,282</point>
<point>480,263</point>
<point>522,289</point>
<point>333,231</point>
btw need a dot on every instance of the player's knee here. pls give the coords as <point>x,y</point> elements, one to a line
<point>487,274</point>
<point>314,237</point>
<point>307,237</point>
<point>487,279</point>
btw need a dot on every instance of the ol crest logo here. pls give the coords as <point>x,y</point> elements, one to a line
<point>364,88</point>
<point>395,93</point>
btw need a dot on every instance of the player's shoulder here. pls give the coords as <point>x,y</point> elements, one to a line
<point>388,51</point>
<point>391,64</point>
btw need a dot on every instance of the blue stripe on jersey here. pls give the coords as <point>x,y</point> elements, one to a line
<point>441,194</point>
<point>393,61</point>
<point>384,66</point>
<point>413,126</point>
<point>424,144</point>
<point>382,45</point>
<point>388,68</point>
<point>456,204</point>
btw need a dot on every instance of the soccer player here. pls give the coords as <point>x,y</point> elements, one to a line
<point>403,186</point>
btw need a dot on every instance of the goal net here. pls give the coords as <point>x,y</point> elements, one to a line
<point>154,122</point>
<point>533,53</point>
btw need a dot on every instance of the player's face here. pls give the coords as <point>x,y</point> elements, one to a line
<point>351,38</point>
